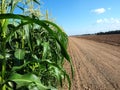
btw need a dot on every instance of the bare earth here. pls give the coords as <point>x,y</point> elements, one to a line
<point>113,39</point>
<point>96,65</point>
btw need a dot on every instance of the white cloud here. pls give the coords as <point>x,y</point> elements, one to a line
<point>99,21</point>
<point>99,10</point>
<point>108,20</point>
<point>107,24</point>
<point>113,20</point>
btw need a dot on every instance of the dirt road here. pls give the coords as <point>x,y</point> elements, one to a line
<point>96,65</point>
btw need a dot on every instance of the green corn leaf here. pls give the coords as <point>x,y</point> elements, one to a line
<point>58,74</point>
<point>19,67</point>
<point>14,30</point>
<point>36,1</point>
<point>61,69</point>
<point>1,56</point>
<point>63,41</point>
<point>61,37</point>
<point>26,80</point>
<point>45,50</point>
<point>19,54</point>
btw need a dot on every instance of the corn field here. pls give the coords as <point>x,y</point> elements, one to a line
<point>33,49</point>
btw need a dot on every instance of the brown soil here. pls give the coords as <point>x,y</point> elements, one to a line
<point>96,65</point>
<point>113,39</point>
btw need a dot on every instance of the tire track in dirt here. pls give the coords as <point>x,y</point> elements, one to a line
<point>96,65</point>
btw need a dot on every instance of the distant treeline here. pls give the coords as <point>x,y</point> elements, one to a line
<point>101,33</point>
<point>108,32</point>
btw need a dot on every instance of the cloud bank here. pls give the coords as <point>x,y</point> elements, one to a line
<point>106,24</point>
<point>108,20</point>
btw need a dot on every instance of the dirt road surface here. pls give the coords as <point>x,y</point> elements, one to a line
<point>96,65</point>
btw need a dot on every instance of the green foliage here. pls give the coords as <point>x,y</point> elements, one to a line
<point>19,54</point>
<point>28,80</point>
<point>32,50</point>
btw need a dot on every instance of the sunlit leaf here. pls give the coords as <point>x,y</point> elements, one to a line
<point>19,54</point>
<point>1,56</point>
<point>26,80</point>
<point>45,49</point>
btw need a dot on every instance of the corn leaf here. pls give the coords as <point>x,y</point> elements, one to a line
<point>61,69</point>
<point>36,1</point>
<point>26,80</point>
<point>19,54</point>
<point>45,49</point>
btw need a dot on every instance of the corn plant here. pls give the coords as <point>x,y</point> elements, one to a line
<point>32,50</point>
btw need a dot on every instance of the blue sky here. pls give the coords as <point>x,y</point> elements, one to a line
<point>84,16</point>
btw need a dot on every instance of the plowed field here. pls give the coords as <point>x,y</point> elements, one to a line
<point>113,39</point>
<point>96,65</point>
